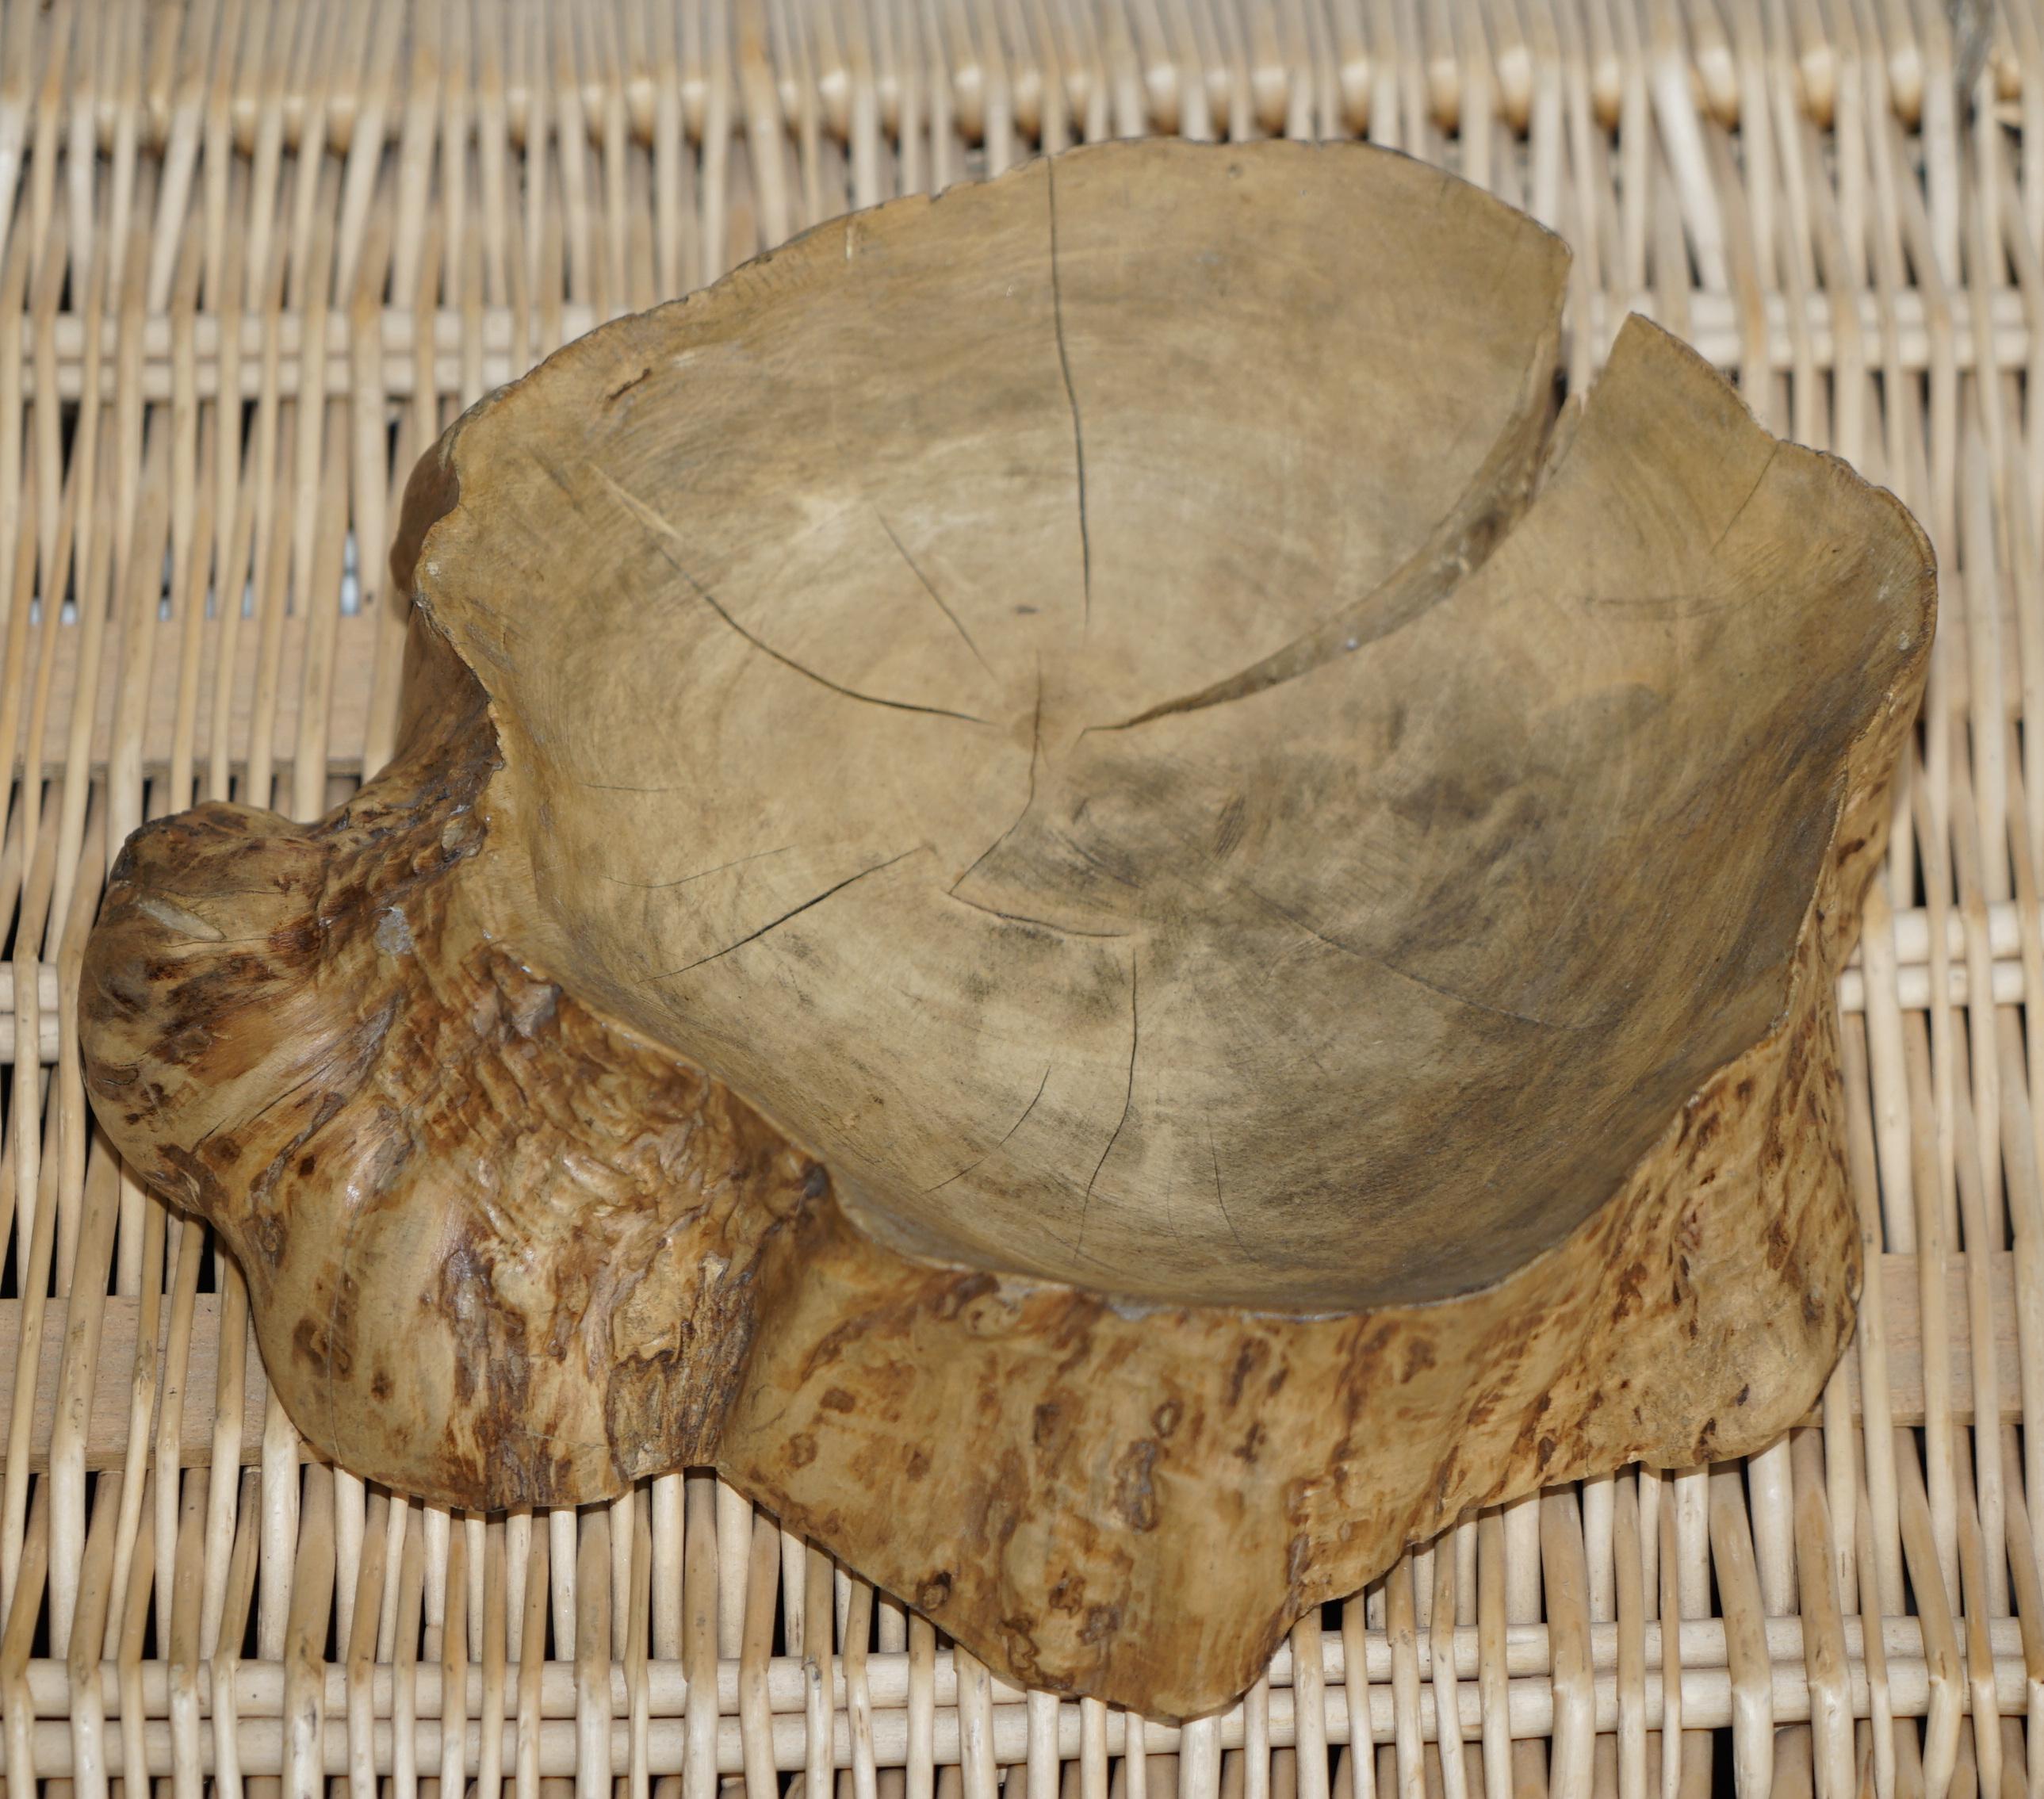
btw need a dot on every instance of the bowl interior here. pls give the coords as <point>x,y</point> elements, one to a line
<point>1056,694</point>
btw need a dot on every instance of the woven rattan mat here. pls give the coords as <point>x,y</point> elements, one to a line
<point>253,257</point>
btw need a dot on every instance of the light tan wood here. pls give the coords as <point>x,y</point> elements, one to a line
<point>1023,928</point>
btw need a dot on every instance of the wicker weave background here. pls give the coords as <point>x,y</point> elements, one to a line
<point>252,257</point>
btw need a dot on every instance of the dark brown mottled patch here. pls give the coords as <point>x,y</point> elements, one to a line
<point>1247,1360</point>
<point>1135,1494</point>
<point>1101,1623</point>
<point>309,1344</point>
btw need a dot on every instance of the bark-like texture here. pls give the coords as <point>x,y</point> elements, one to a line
<point>1034,902</point>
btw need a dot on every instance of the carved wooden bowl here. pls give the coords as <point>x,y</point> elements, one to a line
<point>1064,891</point>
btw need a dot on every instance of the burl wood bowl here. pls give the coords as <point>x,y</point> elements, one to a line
<point>1065,888</point>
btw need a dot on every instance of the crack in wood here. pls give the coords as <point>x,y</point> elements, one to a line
<point>775,924</point>
<point>660,530</point>
<point>1071,393</point>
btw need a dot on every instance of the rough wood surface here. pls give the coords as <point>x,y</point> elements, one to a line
<point>106,1427</point>
<point>977,799</point>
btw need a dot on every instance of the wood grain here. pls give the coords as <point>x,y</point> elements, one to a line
<point>106,1430</point>
<point>907,955</point>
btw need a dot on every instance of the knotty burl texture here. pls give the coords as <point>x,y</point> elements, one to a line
<point>1063,890</point>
